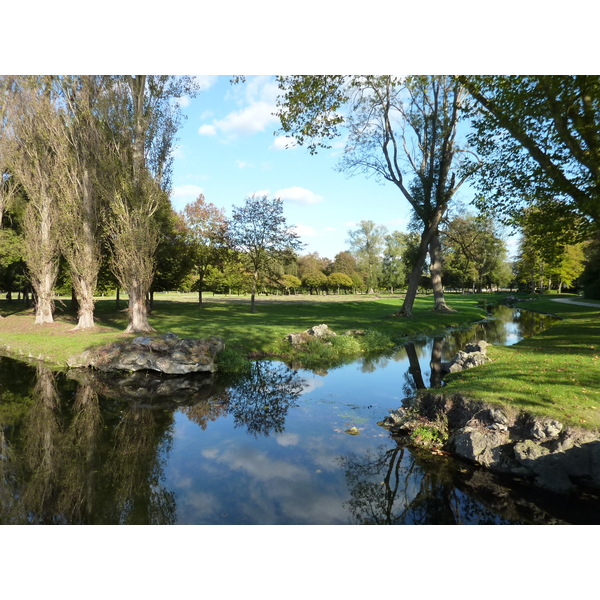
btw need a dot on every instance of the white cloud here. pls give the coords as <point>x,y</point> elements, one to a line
<point>207,130</point>
<point>183,194</point>
<point>177,151</point>
<point>184,101</point>
<point>304,230</point>
<point>284,142</point>
<point>252,119</point>
<point>242,164</point>
<point>287,439</point>
<point>205,82</point>
<point>256,99</point>
<point>298,195</point>
<point>330,229</point>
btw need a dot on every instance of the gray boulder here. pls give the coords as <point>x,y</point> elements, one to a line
<point>164,354</point>
<point>475,354</point>
<point>317,332</point>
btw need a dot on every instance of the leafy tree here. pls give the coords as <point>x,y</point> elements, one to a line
<point>80,145</point>
<point>543,262</point>
<point>393,270</point>
<point>475,253</point>
<point>290,282</point>
<point>590,278</point>
<point>398,128</point>
<point>34,124</point>
<point>345,263</point>
<point>314,281</point>
<point>366,242</point>
<point>174,258</point>
<point>540,139</point>
<point>208,227</point>
<point>259,230</point>
<point>568,266</point>
<point>339,280</point>
<point>145,120</point>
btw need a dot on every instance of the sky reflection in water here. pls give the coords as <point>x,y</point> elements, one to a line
<point>271,448</point>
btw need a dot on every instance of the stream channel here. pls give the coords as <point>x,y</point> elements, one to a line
<point>269,448</point>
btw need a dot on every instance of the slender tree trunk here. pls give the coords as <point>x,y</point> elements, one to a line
<point>435,269</point>
<point>200,286</point>
<point>253,294</point>
<point>415,275</point>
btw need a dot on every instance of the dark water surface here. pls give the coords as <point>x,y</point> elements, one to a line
<point>270,448</point>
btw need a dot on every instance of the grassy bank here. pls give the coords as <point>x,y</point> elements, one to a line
<point>556,373</point>
<point>256,334</point>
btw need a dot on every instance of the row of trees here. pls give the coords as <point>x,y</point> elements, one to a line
<point>90,159</point>
<point>86,165</point>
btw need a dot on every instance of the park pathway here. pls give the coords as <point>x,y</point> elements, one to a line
<point>569,301</point>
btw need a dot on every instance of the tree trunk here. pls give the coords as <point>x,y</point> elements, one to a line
<point>138,312</point>
<point>253,294</point>
<point>415,276</point>
<point>85,303</point>
<point>435,269</point>
<point>201,286</point>
<point>44,295</point>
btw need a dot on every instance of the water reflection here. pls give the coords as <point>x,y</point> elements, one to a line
<point>69,461</point>
<point>260,401</point>
<point>269,447</point>
<point>391,487</point>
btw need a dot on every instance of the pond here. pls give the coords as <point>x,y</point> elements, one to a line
<point>274,447</point>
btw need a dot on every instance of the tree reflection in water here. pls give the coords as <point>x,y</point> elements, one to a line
<point>71,464</point>
<point>396,487</point>
<point>261,400</point>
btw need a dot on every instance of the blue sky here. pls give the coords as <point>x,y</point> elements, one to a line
<point>228,150</point>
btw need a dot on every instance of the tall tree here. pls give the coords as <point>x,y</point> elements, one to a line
<point>79,148</point>
<point>366,242</point>
<point>34,124</point>
<point>207,226</point>
<point>260,231</point>
<point>146,120</point>
<point>393,268</point>
<point>398,129</point>
<point>540,138</point>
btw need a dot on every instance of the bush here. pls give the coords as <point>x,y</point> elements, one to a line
<point>233,361</point>
<point>375,341</point>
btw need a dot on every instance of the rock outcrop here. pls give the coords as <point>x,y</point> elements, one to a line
<point>548,453</point>
<point>165,354</point>
<point>317,332</point>
<point>473,356</point>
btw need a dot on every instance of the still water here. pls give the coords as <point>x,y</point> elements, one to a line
<point>269,448</point>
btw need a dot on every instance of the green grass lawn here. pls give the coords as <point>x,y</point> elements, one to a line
<point>253,334</point>
<point>555,373</point>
